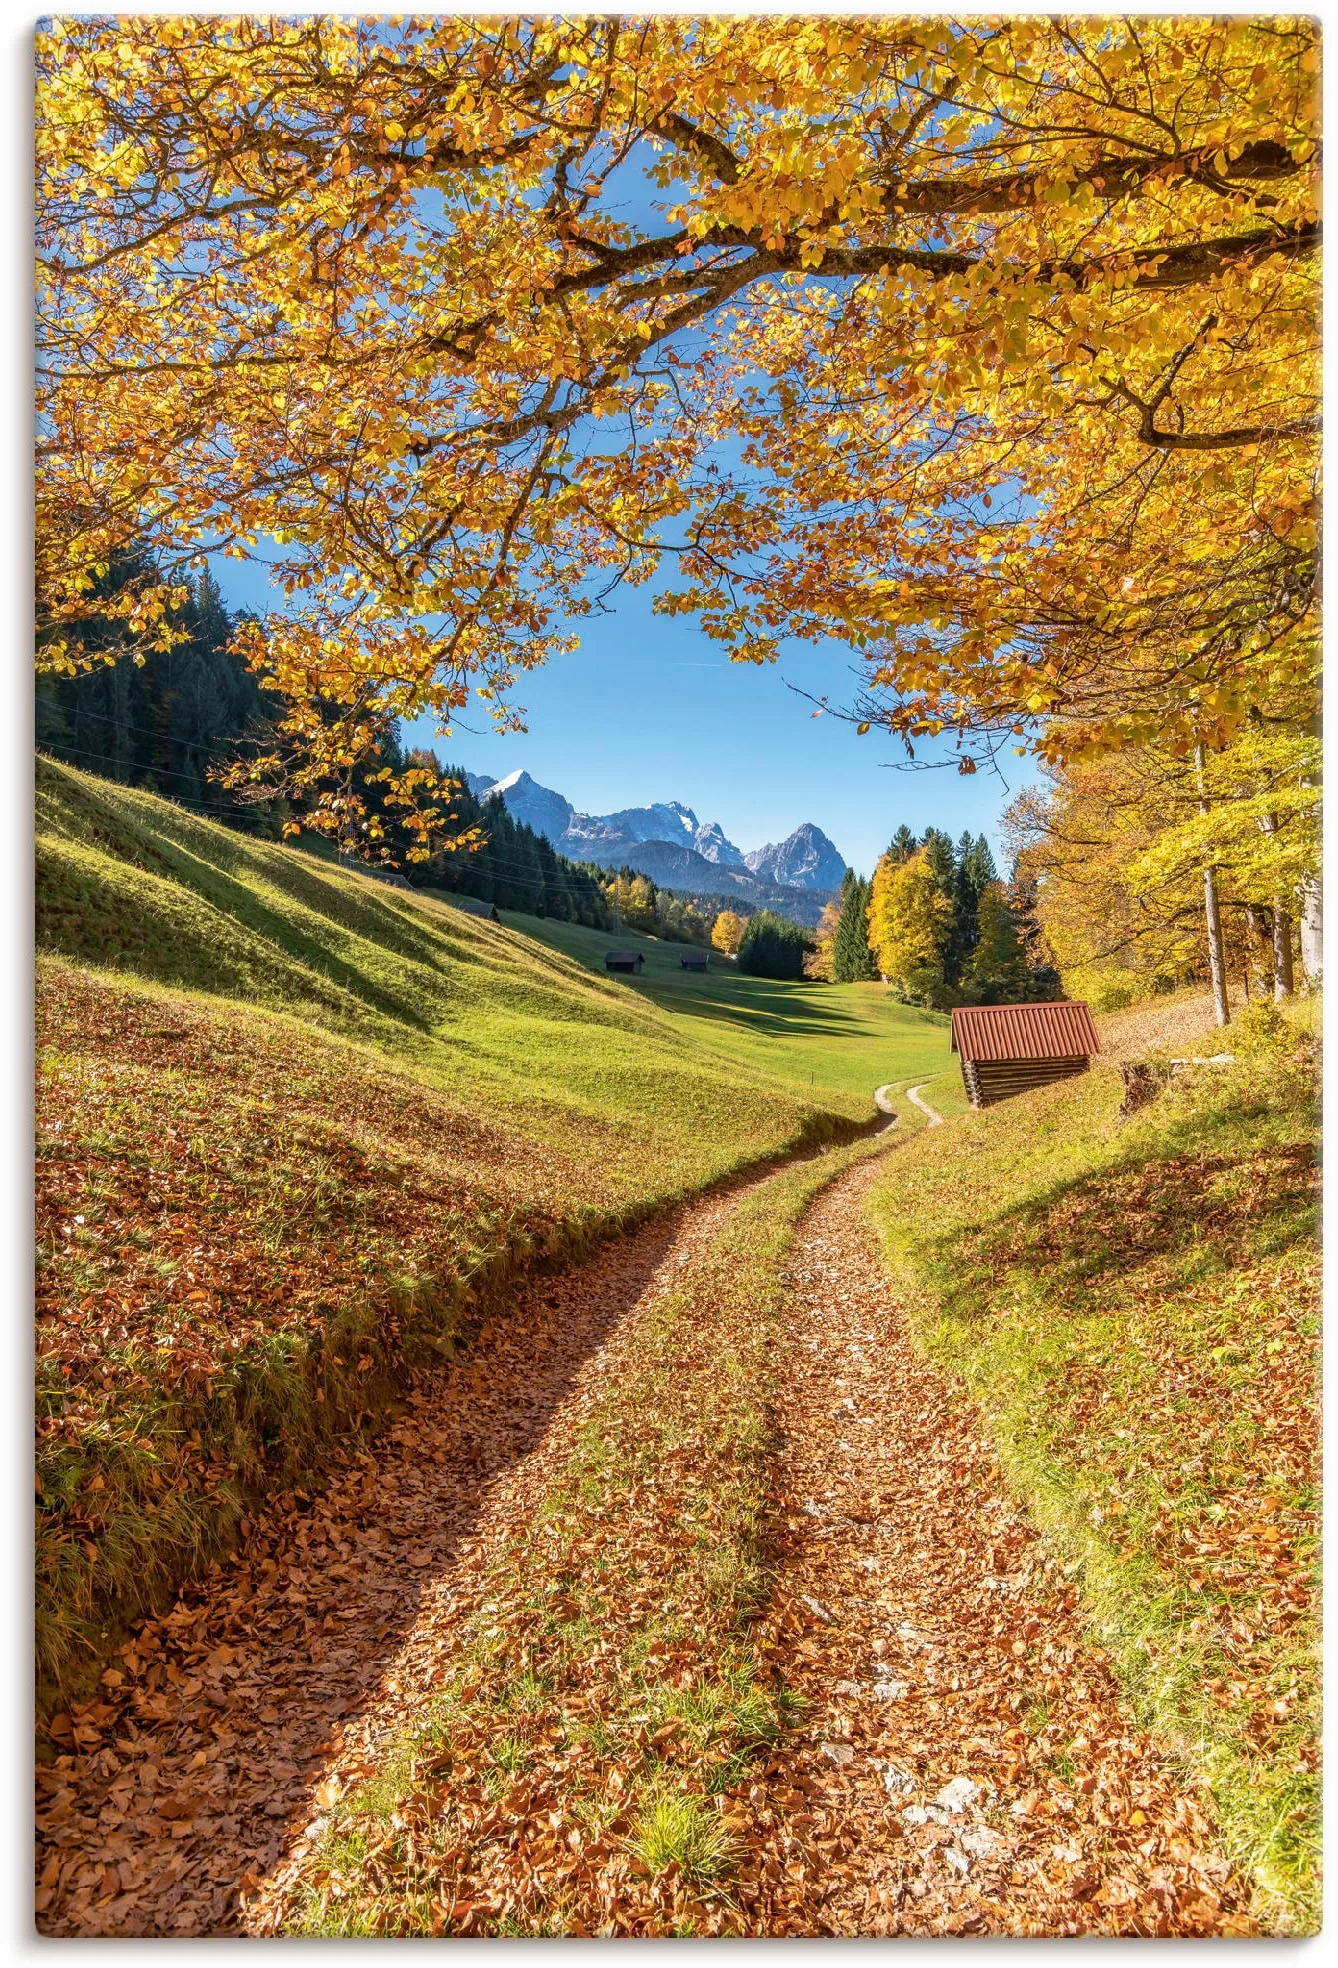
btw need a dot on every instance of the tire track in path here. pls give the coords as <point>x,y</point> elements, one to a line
<point>204,1759</point>
<point>966,1762</point>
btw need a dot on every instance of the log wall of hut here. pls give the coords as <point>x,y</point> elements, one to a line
<point>988,1080</point>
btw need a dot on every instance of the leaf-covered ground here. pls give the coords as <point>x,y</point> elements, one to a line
<point>246,1232</point>
<point>689,1602</point>
<point>294,1670</point>
<point>1135,1307</point>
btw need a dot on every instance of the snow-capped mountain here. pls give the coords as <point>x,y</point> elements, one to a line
<point>806,859</point>
<point>668,842</point>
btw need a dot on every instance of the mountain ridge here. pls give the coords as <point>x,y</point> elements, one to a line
<point>667,842</point>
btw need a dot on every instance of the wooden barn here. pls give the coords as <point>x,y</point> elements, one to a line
<point>623,960</point>
<point>470,904</point>
<point>695,960</point>
<point>1005,1049</point>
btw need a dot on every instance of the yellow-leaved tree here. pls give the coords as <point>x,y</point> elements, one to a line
<point>986,347</point>
<point>1153,869</point>
<point>727,931</point>
<point>910,919</point>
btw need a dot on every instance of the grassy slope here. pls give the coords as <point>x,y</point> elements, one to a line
<point>290,1121</point>
<point>832,1042</point>
<point>1134,1308</point>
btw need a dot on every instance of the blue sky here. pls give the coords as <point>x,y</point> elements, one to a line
<point>650,709</point>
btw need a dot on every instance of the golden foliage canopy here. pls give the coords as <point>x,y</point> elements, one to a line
<point>986,347</point>
<point>909,922</point>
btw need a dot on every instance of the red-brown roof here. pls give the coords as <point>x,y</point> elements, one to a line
<point>1027,1031</point>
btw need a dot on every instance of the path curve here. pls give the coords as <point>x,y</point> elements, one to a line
<point>931,1114</point>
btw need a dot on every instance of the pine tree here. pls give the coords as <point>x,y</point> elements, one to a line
<point>975,869</point>
<point>852,959</point>
<point>168,723</point>
<point>773,947</point>
<point>997,972</point>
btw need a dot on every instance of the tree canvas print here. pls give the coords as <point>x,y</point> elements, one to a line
<point>679,966</point>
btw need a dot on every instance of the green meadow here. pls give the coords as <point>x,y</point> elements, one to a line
<point>832,1042</point>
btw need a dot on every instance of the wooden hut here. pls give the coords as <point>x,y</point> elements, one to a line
<point>1004,1049</point>
<point>471,905</point>
<point>623,960</point>
<point>695,960</point>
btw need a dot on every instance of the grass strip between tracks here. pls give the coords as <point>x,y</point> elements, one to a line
<point>579,1767</point>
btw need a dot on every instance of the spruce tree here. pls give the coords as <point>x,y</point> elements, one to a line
<point>773,947</point>
<point>852,959</point>
<point>997,973</point>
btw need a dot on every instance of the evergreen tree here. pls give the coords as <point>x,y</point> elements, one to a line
<point>997,972</point>
<point>170,722</point>
<point>1043,978</point>
<point>974,871</point>
<point>902,845</point>
<point>773,947</point>
<point>852,959</point>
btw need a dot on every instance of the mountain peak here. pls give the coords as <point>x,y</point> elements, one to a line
<point>666,838</point>
<point>805,859</point>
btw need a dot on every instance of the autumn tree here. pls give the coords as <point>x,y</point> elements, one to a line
<point>820,964</point>
<point>910,919</point>
<point>726,931</point>
<point>986,348</point>
<point>1118,848</point>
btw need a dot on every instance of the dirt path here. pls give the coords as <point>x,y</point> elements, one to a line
<point>932,1116</point>
<point>966,1763</point>
<point>188,1781</point>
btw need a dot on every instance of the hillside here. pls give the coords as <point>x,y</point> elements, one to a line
<point>290,1120</point>
<point>823,1040</point>
<point>1134,1308</point>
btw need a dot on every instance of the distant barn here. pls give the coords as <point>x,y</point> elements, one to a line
<point>1005,1049</point>
<point>471,905</point>
<point>695,960</point>
<point>623,960</point>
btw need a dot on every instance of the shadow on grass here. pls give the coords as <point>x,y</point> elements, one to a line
<point>1088,1245</point>
<point>775,1009</point>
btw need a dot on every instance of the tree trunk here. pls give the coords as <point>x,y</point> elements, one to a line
<point>1312,930</point>
<point>1284,979</point>
<point>1212,917</point>
<point>1261,931</point>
